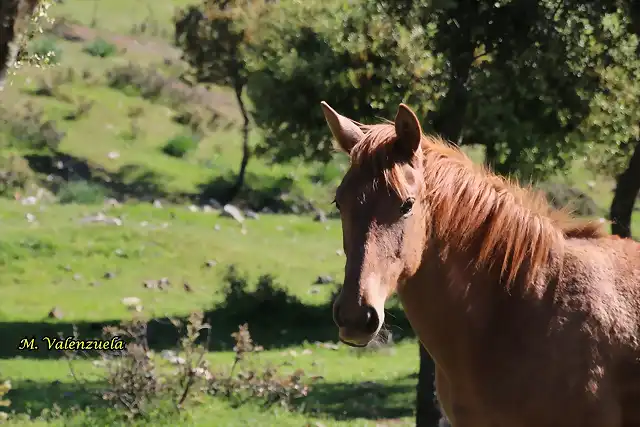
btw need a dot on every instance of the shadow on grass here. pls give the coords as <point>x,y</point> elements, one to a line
<point>130,181</point>
<point>277,194</point>
<point>369,400</point>
<point>276,320</point>
<point>336,400</point>
<point>31,397</point>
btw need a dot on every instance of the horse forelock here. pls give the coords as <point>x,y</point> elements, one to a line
<point>512,226</point>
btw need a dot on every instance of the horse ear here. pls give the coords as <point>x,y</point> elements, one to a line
<point>346,132</point>
<point>408,129</point>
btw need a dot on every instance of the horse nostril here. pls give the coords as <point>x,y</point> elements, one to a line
<point>372,320</point>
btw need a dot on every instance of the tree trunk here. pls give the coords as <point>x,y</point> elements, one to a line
<point>14,17</point>
<point>427,410</point>
<point>246,151</point>
<point>624,196</point>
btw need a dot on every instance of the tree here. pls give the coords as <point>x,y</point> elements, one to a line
<point>628,181</point>
<point>355,57</point>
<point>19,19</point>
<point>212,37</point>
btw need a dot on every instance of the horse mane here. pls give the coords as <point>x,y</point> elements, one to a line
<point>473,206</point>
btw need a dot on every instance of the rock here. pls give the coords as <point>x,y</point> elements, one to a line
<point>30,217</point>
<point>55,313</point>
<point>193,208</point>
<point>29,201</point>
<point>210,263</point>
<point>111,202</point>
<point>77,277</point>
<point>266,210</point>
<point>231,211</point>
<point>207,209</point>
<point>101,217</point>
<point>94,283</point>
<point>324,280</point>
<point>150,284</point>
<point>187,287</point>
<point>215,204</point>
<point>340,252</point>
<point>216,227</point>
<point>157,204</point>
<point>172,358</point>
<point>163,283</point>
<point>320,216</point>
<point>251,214</point>
<point>314,291</point>
<point>132,303</point>
<point>113,155</point>
<point>109,275</point>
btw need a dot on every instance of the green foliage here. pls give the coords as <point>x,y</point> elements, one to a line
<point>180,145</point>
<point>28,129</point>
<point>524,80</point>
<point>101,48</point>
<point>355,58</point>
<point>45,47</point>
<point>612,128</point>
<point>213,36</point>
<point>81,193</point>
<point>15,174</point>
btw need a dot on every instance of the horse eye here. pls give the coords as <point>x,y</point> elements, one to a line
<point>406,206</point>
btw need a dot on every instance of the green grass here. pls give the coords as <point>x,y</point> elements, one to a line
<point>119,16</point>
<point>39,261</point>
<point>353,389</point>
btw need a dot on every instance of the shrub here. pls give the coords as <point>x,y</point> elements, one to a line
<point>46,49</point>
<point>80,110</point>
<point>29,129</point>
<point>101,48</point>
<point>180,145</point>
<point>81,192</point>
<point>5,387</point>
<point>563,196</point>
<point>141,382</point>
<point>15,174</point>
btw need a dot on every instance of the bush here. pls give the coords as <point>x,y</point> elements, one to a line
<point>180,145</point>
<point>140,382</point>
<point>101,48</point>
<point>29,129</point>
<point>81,192</point>
<point>563,196</point>
<point>5,387</point>
<point>15,174</point>
<point>45,49</point>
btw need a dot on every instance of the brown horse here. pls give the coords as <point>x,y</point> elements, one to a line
<point>532,317</point>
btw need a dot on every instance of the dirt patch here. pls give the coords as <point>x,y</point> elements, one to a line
<point>80,33</point>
